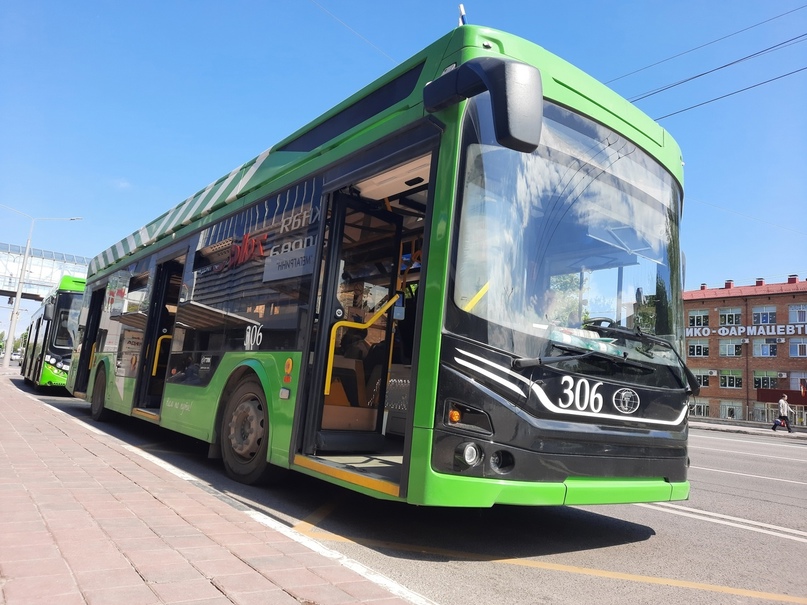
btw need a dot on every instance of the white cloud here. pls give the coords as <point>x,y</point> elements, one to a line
<point>121,184</point>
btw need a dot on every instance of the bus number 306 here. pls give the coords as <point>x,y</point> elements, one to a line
<point>253,338</point>
<point>580,394</point>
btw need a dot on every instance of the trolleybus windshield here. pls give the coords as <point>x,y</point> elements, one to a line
<point>556,246</point>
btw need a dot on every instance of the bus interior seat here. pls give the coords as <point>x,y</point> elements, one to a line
<point>343,408</point>
<point>350,374</point>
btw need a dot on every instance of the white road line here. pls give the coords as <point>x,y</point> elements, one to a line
<point>780,443</point>
<point>730,518</point>
<point>161,463</point>
<point>375,577</point>
<point>89,427</point>
<point>744,524</point>
<point>365,572</point>
<point>714,449</point>
<point>714,470</point>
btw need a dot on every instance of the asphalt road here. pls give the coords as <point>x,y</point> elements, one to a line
<point>741,538</point>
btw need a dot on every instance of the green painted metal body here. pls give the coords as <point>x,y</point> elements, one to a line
<point>35,368</point>
<point>195,411</point>
<point>51,377</point>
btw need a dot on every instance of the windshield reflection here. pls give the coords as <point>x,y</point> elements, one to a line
<point>583,230</point>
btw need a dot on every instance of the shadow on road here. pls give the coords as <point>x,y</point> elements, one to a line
<point>394,529</point>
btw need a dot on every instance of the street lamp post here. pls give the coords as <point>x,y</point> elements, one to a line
<point>16,307</point>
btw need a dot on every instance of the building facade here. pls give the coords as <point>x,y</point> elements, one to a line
<point>747,345</point>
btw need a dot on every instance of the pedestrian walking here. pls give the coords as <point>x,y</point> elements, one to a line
<point>784,420</point>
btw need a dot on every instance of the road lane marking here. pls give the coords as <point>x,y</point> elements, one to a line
<point>573,569</point>
<point>746,525</point>
<point>308,526</point>
<point>730,518</point>
<point>312,537</point>
<point>715,470</point>
<point>301,538</point>
<point>616,575</point>
<point>178,472</point>
<point>394,587</point>
<point>768,456</point>
<point>309,529</point>
<point>778,443</point>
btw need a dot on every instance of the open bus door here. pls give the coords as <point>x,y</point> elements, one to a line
<point>86,344</point>
<point>153,368</point>
<point>33,355</point>
<point>354,339</point>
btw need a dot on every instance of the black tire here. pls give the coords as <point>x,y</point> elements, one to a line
<point>97,410</point>
<point>245,433</point>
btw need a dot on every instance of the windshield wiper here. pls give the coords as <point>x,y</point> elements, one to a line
<point>575,353</point>
<point>635,334</point>
<point>648,339</point>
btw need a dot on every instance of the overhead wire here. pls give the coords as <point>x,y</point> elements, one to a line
<point>730,94</point>
<point>705,44</point>
<point>334,17</point>
<point>759,53</point>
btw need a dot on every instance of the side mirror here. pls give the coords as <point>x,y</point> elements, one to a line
<point>49,312</point>
<point>516,94</point>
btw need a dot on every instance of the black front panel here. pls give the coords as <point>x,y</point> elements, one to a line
<point>551,423</point>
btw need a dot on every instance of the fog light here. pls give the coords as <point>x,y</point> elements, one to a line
<point>469,454</point>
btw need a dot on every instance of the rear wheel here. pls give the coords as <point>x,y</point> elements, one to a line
<point>245,432</point>
<point>97,410</point>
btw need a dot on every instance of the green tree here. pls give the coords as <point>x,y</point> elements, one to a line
<point>568,291</point>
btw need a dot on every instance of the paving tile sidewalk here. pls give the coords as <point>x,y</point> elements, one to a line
<point>83,520</point>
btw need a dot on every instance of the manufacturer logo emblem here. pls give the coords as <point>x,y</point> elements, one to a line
<point>626,401</point>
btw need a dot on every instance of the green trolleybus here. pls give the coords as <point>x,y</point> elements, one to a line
<point>51,335</point>
<point>459,287</point>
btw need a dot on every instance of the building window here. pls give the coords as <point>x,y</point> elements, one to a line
<point>730,317</point>
<point>698,347</point>
<point>798,347</point>
<point>702,376</point>
<point>731,347</point>
<point>797,314</point>
<point>766,380</point>
<point>764,347</point>
<point>699,409</point>
<point>732,410</point>
<point>764,315</point>
<point>798,382</point>
<point>699,318</point>
<point>731,379</point>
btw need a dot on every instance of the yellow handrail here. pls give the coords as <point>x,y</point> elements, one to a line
<point>351,324</point>
<point>157,352</point>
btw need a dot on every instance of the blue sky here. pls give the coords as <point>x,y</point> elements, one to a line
<point>117,111</point>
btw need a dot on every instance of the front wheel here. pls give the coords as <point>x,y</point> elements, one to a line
<point>245,432</point>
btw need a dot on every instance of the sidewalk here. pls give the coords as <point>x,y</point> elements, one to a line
<point>83,520</point>
<point>748,428</point>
